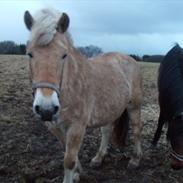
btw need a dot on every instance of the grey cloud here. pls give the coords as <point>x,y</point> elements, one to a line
<point>133,26</point>
<point>130,18</point>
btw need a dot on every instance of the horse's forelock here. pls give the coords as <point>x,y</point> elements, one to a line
<point>44,27</point>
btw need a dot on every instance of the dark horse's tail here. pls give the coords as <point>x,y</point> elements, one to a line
<point>120,129</point>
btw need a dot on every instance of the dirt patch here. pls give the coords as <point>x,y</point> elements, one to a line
<point>29,153</point>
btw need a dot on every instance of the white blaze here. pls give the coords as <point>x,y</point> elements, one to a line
<point>45,102</point>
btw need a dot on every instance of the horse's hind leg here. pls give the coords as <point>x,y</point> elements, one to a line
<point>106,133</point>
<point>134,114</point>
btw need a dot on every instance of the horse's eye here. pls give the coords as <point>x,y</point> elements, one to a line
<point>64,56</point>
<point>30,55</point>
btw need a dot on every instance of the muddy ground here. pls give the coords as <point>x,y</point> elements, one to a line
<point>30,153</point>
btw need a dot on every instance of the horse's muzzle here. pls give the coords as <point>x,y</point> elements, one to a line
<point>46,107</point>
<point>47,114</point>
<point>176,164</point>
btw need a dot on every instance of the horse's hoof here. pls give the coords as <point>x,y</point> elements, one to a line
<point>76,177</point>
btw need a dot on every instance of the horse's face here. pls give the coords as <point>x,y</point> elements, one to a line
<point>176,139</point>
<point>46,69</point>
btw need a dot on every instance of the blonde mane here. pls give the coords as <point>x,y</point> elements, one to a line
<point>44,27</point>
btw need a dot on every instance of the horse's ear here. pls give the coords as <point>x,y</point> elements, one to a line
<point>28,20</point>
<point>63,23</point>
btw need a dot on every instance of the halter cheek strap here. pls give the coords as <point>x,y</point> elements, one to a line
<point>176,156</point>
<point>46,85</point>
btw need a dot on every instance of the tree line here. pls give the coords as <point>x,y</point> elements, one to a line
<point>10,47</point>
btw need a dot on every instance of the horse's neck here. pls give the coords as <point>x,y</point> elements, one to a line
<point>78,61</point>
<point>75,70</point>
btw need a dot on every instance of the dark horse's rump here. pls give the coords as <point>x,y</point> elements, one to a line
<point>170,87</point>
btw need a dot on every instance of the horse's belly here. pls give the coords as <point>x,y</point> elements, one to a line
<point>108,111</point>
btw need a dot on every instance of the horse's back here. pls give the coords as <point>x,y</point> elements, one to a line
<point>112,57</point>
<point>121,65</point>
<point>130,68</point>
<point>124,63</point>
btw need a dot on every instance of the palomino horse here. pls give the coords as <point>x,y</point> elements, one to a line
<point>170,86</point>
<point>73,93</point>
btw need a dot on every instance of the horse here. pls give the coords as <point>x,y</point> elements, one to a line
<point>170,87</point>
<point>72,93</point>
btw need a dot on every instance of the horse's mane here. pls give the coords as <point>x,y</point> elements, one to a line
<point>170,83</point>
<point>44,26</point>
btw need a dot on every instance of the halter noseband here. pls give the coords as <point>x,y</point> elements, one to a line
<point>176,156</point>
<point>173,153</point>
<point>46,85</point>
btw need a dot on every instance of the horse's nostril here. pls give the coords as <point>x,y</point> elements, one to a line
<point>56,108</point>
<point>37,109</point>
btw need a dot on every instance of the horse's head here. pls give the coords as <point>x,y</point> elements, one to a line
<point>175,135</point>
<point>47,49</point>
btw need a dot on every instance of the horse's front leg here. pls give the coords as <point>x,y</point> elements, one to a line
<point>74,138</point>
<point>106,134</point>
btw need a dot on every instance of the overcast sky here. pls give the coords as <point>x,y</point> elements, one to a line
<point>129,26</point>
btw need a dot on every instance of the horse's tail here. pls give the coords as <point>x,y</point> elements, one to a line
<point>120,129</point>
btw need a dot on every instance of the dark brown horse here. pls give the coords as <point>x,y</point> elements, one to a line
<point>170,86</point>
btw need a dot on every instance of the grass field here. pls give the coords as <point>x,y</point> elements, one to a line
<point>29,153</point>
